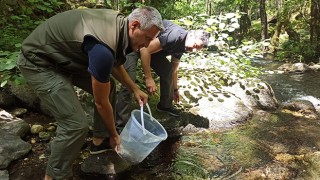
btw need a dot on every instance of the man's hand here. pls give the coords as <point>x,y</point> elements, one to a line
<point>141,97</point>
<point>151,86</point>
<point>115,143</point>
<point>176,96</point>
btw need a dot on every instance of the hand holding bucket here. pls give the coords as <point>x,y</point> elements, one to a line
<point>140,136</point>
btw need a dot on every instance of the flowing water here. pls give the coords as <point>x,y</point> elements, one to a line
<point>274,145</point>
<point>290,86</point>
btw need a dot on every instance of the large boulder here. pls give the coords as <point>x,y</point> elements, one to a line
<point>260,95</point>
<point>225,105</point>
<point>222,113</point>
<point>12,146</point>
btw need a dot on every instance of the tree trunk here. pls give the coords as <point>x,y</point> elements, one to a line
<point>245,22</point>
<point>209,7</point>
<point>279,4</point>
<point>315,25</point>
<point>275,37</point>
<point>264,21</point>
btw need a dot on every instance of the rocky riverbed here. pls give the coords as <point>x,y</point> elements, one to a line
<point>238,132</point>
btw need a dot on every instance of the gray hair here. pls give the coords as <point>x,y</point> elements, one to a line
<point>147,16</point>
<point>199,34</point>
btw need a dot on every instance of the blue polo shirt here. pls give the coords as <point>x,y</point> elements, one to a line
<point>101,59</point>
<point>172,39</point>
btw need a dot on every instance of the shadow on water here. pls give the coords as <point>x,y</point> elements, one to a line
<point>157,164</point>
<point>247,152</point>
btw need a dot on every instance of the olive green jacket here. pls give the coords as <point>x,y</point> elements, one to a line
<point>59,40</point>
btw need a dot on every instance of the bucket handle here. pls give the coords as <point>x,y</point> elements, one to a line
<point>142,117</point>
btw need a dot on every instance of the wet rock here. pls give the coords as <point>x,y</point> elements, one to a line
<point>28,97</point>
<point>277,171</point>
<point>4,175</point>
<point>285,67</point>
<point>299,105</point>
<point>224,114</point>
<point>254,174</point>
<point>294,68</point>
<point>300,67</point>
<point>51,128</point>
<point>25,94</point>
<point>222,101</point>
<point>6,99</point>
<point>19,111</point>
<point>314,67</point>
<point>301,108</point>
<point>284,157</point>
<point>45,136</point>
<point>277,147</point>
<point>36,129</point>
<point>315,101</point>
<point>190,129</point>
<point>259,96</point>
<point>13,125</point>
<point>12,148</point>
<point>101,163</point>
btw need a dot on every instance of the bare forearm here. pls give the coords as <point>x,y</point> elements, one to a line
<point>175,65</point>
<point>106,113</point>
<point>101,93</point>
<point>145,63</point>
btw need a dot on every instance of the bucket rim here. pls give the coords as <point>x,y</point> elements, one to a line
<point>153,119</point>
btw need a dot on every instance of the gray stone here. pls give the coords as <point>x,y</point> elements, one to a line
<point>6,99</point>
<point>101,163</point>
<point>36,129</point>
<point>13,125</point>
<point>260,95</point>
<point>12,148</point>
<point>4,175</point>
<point>223,114</point>
<point>19,111</point>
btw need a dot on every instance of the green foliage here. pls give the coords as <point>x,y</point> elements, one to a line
<point>14,33</point>
<point>177,9</point>
<point>10,43</point>
<point>297,51</point>
<point>15,28</point>
<point>229,62</point>
<point>42,7</point>
<point>8,69</point>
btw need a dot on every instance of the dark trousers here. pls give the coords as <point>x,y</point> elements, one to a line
<point>162,67</point>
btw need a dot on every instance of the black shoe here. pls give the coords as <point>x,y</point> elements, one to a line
<point>103,147</point>
<point>171,110</point>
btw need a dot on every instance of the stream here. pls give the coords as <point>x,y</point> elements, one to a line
<point>276,145</point>
<point>290,86</point>
<point>273,145</point>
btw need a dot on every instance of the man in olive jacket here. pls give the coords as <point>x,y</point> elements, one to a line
<point>83,48</point>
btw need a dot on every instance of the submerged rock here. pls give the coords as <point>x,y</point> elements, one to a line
<point>104,163</point>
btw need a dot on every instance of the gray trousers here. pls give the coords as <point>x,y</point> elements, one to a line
<point>55,90</point>
<point>162,67</point>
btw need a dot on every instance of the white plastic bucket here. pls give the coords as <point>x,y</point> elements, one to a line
<point>140,136</point>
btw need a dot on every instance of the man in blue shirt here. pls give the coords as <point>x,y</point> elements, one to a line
<point>173,41</point>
